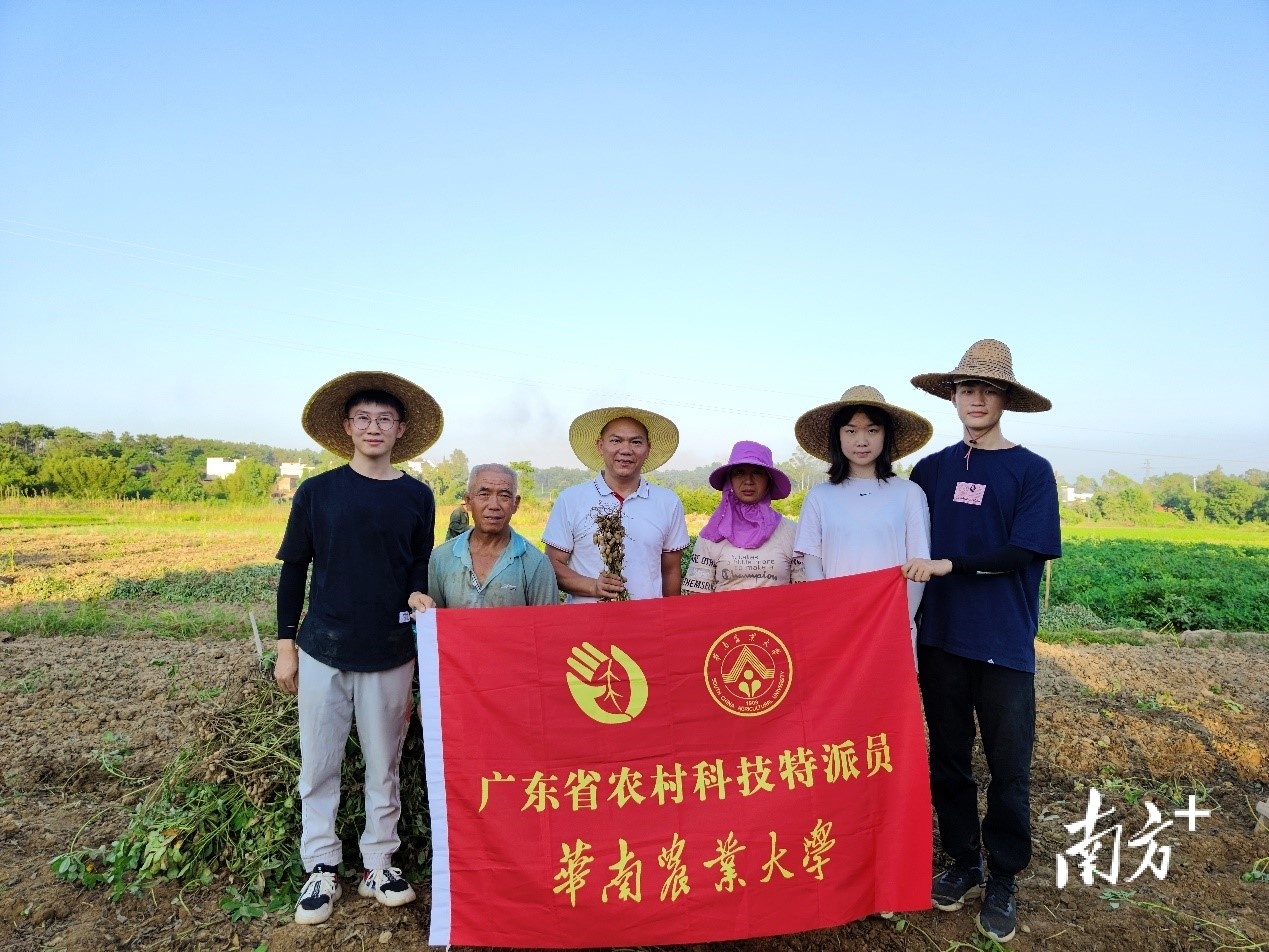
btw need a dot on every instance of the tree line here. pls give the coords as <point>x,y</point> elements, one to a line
<point>41,460</point>
<point>1214,497</point>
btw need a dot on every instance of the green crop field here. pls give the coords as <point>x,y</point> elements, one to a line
<point>190,569</point>
<point>1161,585</point>
<point>1247,535</point>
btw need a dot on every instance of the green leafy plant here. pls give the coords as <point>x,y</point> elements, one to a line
<point>240,906</point>
<point>226,807</point>
<point>81,866</point>
<point>1259,872</point>
<point>1115,897</point>
<point>112,753</point>
<point>897,921</point>
<point>1129,788</point>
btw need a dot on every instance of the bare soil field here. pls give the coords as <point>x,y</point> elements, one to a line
<point>1178,716</point>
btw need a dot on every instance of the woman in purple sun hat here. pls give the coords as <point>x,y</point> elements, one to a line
<point>746,543</point>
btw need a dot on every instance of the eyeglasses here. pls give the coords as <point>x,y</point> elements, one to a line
<point>361,421</point>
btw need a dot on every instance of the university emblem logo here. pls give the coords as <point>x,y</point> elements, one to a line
<point>609,688</point>
<point>748,671</point>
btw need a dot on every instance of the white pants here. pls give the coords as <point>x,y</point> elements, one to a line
<point>328,700</point>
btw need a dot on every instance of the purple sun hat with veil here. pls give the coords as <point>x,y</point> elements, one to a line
<point>747,452</point>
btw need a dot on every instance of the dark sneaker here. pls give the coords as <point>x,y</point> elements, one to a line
<point>318,896</point>
<point>954,885</point>
<point>387,886</point>
<point>998,919</point>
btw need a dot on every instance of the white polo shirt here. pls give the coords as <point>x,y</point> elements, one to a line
<point>652,517</point>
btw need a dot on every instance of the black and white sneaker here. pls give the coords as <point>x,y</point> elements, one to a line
<point>387,886</point>
<point>998,919</point>
<point>954,885</point>
<point>318,896</point>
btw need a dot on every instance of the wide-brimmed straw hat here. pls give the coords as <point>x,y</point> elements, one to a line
<point>990,361</point>
<point>911,430</point>
<point>583,434</point>
<point>324,413</point>
<point>749,453</point>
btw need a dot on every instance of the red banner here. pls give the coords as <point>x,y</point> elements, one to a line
<point>675,770</point>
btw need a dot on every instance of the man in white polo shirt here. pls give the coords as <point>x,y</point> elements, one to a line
<point>621,443</point>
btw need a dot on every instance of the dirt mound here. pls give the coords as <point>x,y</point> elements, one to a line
<point>91,720</point>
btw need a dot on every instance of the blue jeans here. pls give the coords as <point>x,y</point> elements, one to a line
<point>954,691</point>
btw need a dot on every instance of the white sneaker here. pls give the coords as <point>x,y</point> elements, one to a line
<point>318,896</point>
<point>387,886</point>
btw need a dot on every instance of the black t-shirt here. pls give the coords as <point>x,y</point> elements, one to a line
<point>369,541</point>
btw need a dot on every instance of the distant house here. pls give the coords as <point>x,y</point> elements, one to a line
<point>1068,494</point>
<point>418,466</point>
<point>218,467</point>
<point>293,469</point>
<point>284,488</point>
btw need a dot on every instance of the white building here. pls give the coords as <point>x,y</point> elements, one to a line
<point>293,469</point>
<point>218,467</point>
<point>1070,495</point>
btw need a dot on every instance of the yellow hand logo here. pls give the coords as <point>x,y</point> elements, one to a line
<point>596,685</point>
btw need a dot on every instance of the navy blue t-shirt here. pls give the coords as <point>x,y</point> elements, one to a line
<point>979,502</point>
<point>369,541</point>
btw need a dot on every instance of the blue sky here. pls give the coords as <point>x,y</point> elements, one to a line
<point>725,212</point>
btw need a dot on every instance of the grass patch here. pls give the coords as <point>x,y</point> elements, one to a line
<point>202,621</point>
<point>89,618</point>
<point>32,520</point>
<point>1079,636</point>
<point>247,584</point>
<point>1132,790</point>
<point>125,620</point>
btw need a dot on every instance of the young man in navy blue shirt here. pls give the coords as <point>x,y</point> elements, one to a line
<point>993,525</point>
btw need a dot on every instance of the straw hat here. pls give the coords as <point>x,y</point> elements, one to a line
<point>988,360</point>
<point>323,415</point>
<point>754,454</point>
<point>911,431</point>
<point>583,434</point>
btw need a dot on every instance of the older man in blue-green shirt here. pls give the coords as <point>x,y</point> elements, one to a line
<point>490,565</point>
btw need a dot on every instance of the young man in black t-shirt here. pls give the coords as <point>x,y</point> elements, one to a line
<point>367,531</point>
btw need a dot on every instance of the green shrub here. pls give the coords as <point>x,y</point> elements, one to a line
<point>1070,618</point>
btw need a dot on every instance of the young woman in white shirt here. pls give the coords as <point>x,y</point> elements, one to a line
<point>865,517</point>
